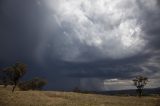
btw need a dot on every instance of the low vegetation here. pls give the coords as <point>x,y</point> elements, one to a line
<point>34,84</point>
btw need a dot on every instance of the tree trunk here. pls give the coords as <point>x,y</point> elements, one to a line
<point>139,92</point>
<point>14,86</point>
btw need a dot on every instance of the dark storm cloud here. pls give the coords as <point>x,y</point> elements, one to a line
<point>122,69</point>
<point>20,21</point>
<point>152,25</point>
<point>81,47</point>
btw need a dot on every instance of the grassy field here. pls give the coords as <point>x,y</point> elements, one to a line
<point>53,98</point>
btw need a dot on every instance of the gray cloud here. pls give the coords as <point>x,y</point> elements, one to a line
<point>111,29</point>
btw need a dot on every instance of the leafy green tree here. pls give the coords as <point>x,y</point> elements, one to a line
<point>15,72</point>
<point>140,82</point>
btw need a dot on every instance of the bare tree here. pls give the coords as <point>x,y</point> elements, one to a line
<point>15,72</point>
<point>140,82</point>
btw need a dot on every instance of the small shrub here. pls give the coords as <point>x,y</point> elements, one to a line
<point>35,84</point>
<point>76,89</point>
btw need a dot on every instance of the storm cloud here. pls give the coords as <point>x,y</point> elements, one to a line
<point>111,29</point>
<point>94,42</point>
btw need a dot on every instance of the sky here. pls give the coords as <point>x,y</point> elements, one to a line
<point>90,44</point>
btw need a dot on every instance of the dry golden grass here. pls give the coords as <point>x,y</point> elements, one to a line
<point>53,98</point>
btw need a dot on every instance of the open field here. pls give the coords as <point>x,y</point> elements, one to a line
<point>53,98</point>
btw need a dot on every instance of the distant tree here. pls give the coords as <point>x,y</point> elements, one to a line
<point>140,82</point>
<point>76,89</point>
<point>14,73</point>
<point>34,84</point>
<point>38,83</point>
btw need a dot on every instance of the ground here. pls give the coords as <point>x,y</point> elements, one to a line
<point>54,98</point>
